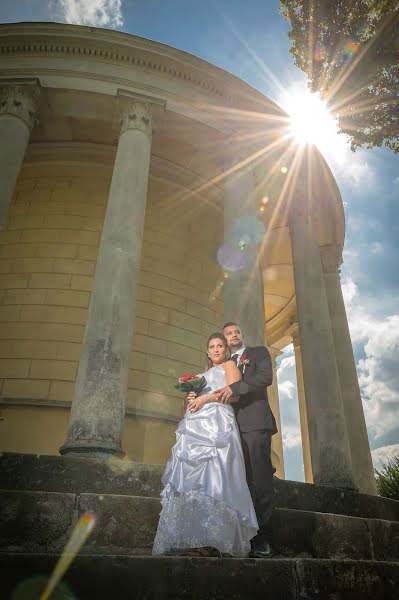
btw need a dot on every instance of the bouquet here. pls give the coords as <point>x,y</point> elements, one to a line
<point>190,383</point>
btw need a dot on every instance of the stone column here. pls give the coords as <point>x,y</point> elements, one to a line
<point>303,417</point>
<point>277,454</point>
<point>19,101</point>
<point>329,445</point>
<point>351,399</point>
<point>98,407</point>
<point>243,290</point>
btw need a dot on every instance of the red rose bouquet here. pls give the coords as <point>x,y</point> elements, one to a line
<point>190,383</point>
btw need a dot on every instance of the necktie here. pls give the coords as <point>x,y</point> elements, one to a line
<point>234,358</point>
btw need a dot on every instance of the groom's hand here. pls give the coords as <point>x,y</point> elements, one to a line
<point>225,394</point>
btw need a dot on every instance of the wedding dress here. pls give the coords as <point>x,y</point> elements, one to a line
<point>206,500</point>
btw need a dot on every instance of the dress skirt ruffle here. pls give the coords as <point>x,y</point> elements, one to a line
<point>206,500</point>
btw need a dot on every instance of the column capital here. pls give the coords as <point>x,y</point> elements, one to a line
<point>136,111</point>
<point>274,353</point>
<point>293,331</point>
<point>20,98</point>
<point>331,258</point>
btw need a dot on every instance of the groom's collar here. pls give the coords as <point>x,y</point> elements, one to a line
<point>239,352</point>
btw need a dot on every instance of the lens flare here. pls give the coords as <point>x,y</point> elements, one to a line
<point>248,231</point>
<point>231,259</point>
<point>80,533</point>
<point>30,589</point>
<point>350,49</point>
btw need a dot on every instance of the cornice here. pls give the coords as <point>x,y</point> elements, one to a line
<point>97,50</point>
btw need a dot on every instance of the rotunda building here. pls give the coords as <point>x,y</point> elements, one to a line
<point>146,197</point>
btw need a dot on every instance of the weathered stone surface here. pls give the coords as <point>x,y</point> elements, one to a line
<point>322,498</point>
<point>347,580</point>
<point>122,522</point>
<point>35,521</point>
<point>385,539</point>
<point>114,476</point>
<point>65,473</point>
<point>173,578</point>
<point>127,525</point>
<point>96,577</point>
<point>320,535</point>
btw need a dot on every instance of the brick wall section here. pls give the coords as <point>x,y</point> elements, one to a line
<point>47,262</point>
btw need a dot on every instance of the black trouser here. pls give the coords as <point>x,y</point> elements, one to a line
<point>256,450</point>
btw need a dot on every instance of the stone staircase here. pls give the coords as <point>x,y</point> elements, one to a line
<point>332,544</point>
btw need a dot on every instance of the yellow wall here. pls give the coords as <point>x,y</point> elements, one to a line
<point>47,262</point>
<point>42,430</point>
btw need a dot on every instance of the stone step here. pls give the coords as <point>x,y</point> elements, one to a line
<point>114,476</point>
<point>93,577</point>
<point>43,521</point>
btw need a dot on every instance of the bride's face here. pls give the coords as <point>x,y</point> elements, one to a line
<point>217,351</point>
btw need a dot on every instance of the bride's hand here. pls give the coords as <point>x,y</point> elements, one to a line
<point>196,404</point>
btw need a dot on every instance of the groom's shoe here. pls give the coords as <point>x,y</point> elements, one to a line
<point>261,549</point>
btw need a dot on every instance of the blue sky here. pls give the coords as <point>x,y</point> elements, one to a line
<point>250,40</point>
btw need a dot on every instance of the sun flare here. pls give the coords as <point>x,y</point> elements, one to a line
<point>311,122</point>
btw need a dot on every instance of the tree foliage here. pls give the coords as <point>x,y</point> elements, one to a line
<point>349,50</point>
<point>387,479</point>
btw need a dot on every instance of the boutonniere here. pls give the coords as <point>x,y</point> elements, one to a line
<point>243,363</point>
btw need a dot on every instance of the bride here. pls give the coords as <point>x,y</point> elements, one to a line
<point>206,503</point>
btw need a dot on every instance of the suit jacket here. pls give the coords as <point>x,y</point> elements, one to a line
<point>252,409</point>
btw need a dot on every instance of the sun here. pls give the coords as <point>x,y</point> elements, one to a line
<point>311,122</point>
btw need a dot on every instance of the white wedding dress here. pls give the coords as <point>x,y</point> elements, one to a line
<point>206,500</point>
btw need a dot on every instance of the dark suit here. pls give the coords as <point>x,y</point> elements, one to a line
<point>257,425</point>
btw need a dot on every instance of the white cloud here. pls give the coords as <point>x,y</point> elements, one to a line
<point>378,370</point>
<point>384,454</point>
<point>396,180</point>
<point>292,437</point>
<point>98,13</point>
<point>379,377</point>
<point>288,397</point>
<point>362,324</point>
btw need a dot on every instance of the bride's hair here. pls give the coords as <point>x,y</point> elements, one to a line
<point>217,336</point>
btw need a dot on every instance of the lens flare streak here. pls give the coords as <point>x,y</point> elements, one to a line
<point>80,533</point>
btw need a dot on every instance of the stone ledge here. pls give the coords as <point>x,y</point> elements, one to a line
<point>35,521</point>
<point>147,578</point>
<point>42,522</point>
<point>114,476</point>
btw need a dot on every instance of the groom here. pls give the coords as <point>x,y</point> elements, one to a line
<point>257,425</point>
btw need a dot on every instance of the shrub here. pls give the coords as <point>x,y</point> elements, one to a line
<point>387,479</point>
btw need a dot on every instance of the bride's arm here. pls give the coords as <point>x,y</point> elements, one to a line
<point>233,375</point>
<point>198,402</point>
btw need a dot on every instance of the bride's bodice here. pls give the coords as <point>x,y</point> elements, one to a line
<point>215,379</point>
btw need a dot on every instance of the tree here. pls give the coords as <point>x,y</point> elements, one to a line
<point>388,479</point>
<point>349,50</point>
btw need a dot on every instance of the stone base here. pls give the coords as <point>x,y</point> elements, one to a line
<point>43,522</point>
<point>31,472</point>
<point>178,578</point>
<point>332,544</point>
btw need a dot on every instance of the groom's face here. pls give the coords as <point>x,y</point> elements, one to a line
<point>234,338</point>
